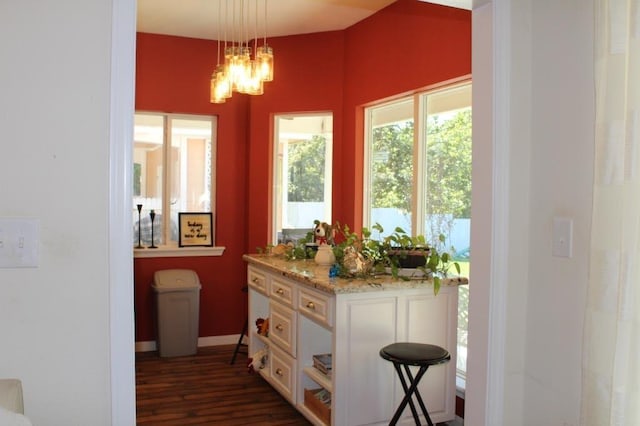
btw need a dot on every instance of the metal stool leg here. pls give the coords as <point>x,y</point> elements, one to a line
<point>245,328</point>
<point>409,391</point>
<point>417,393</point>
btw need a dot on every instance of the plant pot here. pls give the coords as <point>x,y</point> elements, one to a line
<point>409,258</point>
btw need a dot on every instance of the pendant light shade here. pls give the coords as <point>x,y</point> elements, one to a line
<point>220,86</point>
<point>264,56</point>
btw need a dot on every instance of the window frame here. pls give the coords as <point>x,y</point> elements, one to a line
<point>170,248</point>
<point>420,162</point>
<point>419,178</point>
<point>328,183</point>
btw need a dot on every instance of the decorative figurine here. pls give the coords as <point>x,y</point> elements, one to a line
<point>152,215</point>
<point>325,255</point>
<point>323,233</point>
<point>139,206</point>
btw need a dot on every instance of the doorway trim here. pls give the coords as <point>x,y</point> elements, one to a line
<point>486,377</point>
<point>122,338</point>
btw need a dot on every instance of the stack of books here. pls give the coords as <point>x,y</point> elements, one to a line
<point>322,362</point>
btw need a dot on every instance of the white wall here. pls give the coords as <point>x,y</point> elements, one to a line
<point>54,140</point>
<point>533,162</point>
<point>54,166</point>
<point>562,150</point>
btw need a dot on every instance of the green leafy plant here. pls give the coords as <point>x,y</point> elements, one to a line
<point>359,255</point>
<point>439,263</point>
<point>404,251</point>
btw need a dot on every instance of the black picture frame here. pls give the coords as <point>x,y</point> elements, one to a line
<point>195,229</point>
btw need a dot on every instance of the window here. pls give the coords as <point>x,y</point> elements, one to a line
<point>303,146</point>
<point>173,158</point>
<point>418,175</point>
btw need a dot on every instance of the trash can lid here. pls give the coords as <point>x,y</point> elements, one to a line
<point>175,279</point>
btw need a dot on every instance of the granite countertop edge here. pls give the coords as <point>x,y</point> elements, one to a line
<point>317,276</point>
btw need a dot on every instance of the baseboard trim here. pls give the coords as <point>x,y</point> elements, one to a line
<point>146,346</point>
<point>151,345</point>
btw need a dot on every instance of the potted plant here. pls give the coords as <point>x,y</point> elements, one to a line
<point>403,250</point>
<point>360,256</point>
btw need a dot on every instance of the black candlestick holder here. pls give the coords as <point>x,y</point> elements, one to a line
<point>139,206</point>
<point>152,215</point>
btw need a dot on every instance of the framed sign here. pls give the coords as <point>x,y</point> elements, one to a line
<point>195,229</point>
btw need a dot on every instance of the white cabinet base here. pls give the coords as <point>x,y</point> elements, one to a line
<point>353,327</point>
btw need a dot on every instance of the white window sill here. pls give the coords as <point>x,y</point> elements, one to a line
<point>175,251</point>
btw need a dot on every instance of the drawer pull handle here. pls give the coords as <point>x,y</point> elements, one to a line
<point>255,280</point>
<point>311,305</point>
<point>280,291</point>
<point>279,327</point>
<point>279,372</point>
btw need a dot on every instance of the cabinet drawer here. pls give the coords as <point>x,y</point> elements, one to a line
<point>315,305</point>
<point>283,373</point>
<point>257,280</point>
<point>282,327</point>
<point>283,291</point>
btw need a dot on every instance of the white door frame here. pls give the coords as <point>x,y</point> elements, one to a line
<point>485,384</point>
<point>122,344</point>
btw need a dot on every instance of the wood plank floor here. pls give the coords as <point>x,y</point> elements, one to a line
<point>205,389</point>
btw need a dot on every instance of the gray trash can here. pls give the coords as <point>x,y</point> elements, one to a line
<point>177,308</point>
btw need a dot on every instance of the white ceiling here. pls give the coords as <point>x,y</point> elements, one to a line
<point>202,19</point>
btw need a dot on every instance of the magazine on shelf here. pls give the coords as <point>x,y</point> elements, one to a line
<point>323,396</point>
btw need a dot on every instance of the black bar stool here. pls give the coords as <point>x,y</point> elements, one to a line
<point>243,333</point>
<point>416,354</point>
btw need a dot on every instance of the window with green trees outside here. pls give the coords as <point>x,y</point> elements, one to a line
<point>418,175</point>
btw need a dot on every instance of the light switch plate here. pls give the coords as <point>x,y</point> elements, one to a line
<point>562,237</point>
<point>19,241</point>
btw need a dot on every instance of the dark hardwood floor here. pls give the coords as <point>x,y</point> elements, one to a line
<point>205,389</point>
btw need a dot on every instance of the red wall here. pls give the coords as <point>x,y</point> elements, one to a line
<point>405,47</point>
<point>308,77</point>
<point>173,75</point>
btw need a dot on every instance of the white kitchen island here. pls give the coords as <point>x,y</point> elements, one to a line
<point>311,314</point>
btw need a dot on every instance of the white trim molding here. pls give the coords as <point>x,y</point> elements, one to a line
<point>230,339</point>
<point>121,321</point>
<point>168,251</point>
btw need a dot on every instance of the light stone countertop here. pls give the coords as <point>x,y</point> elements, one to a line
<point>310,273</point>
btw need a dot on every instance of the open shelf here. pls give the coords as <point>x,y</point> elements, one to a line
<point>319,377</point>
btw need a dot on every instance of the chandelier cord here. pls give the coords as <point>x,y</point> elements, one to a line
<point>265,23</point>
<point>218,36</point>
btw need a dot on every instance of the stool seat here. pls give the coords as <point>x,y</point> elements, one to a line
<point>422,355</point>
<point>415,354</point>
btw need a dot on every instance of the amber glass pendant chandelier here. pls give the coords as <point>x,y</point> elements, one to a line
<point>240,71</point>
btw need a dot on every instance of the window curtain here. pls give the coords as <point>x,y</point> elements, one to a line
<point>611,366</point>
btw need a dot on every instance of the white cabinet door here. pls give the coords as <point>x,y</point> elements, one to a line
<point>367,390</point>
<point>433,319</point>
<point>363,380</point>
